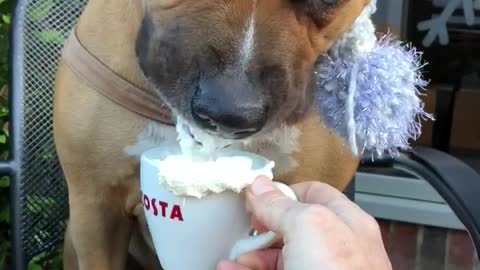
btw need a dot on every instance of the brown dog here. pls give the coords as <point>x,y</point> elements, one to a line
<point>243,65</point>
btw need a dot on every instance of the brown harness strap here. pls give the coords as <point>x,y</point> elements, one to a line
<point>98,76</point>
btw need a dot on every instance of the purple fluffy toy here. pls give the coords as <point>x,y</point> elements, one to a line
<point>368,90</point>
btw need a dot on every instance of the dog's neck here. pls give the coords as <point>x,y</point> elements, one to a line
<point>116,23</point>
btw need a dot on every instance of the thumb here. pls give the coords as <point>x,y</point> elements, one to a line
<point>270,206</point>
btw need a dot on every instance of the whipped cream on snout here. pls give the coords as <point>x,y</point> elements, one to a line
<point>195,142</point>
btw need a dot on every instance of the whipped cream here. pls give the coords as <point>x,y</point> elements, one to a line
<point>201,168</point>
<point>184,176</point>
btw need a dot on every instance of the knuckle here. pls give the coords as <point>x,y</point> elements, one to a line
<point>316,215</point>
<point>371,226</point>
<point>275,201</point>
<point>279,211</point>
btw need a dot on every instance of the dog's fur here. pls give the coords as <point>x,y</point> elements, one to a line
<point>169,45</point>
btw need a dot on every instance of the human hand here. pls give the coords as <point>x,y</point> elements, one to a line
<point>324,230</point>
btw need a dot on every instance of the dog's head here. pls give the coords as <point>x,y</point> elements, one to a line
<point>237,67</point>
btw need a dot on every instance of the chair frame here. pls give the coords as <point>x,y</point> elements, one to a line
<point>453,179</point>
<point>12,167</point>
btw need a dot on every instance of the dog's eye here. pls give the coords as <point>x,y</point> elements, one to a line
<point>327,2</point>
<point>320,11</point>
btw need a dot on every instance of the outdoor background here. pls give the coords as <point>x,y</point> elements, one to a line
<point>52,259</point>
<point>5,11</point>
<point>409,245</point>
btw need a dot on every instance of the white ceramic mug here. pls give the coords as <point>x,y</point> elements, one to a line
<point>190,233</point>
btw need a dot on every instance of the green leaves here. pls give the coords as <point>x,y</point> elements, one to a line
<point>4,251</point>
<point>4,182</point>
<point>36,204</point>
<point>51,36</point>
<point>5,215</point>
<point>40,11</point>
<point>3,111</point>
<point>4,135</point>
<point>6,18</point>
<point>4,222</point>
<point>5,246</point>
<point>51,259</point>
<point>34,266</point>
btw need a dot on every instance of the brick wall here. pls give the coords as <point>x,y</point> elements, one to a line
<point>414,247</point>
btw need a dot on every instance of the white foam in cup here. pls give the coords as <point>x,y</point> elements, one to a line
<point>196,228</point>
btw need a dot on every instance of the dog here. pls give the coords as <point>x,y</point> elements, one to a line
<point>240,70</point>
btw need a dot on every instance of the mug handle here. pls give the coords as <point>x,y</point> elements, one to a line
<point>263,240</point>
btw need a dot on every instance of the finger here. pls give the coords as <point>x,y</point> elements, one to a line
<point>268,259</point>
<point>349,212</point>
<point>227,265</point>
<point>279,213</point>
<point>270,206</point>
<point>315,192</point>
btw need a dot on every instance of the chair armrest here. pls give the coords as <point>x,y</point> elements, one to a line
<point>454,180</point>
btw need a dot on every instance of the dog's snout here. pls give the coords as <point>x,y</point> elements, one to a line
<point>232,112</point>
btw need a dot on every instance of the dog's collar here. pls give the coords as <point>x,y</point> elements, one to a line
<point>98,76</point>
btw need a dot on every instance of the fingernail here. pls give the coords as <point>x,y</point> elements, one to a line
<point>262,185</point>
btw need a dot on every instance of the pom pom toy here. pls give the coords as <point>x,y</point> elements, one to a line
<point>368,90</point>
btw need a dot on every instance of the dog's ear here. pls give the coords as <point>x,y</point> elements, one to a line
<point>333,17</point>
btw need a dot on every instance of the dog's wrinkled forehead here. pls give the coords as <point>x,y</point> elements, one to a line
<point>247,26</point>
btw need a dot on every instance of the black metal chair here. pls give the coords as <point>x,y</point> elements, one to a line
<point>39,195</point>
<point>454,180</point>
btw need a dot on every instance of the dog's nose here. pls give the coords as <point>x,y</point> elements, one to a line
<point>232,113</point>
